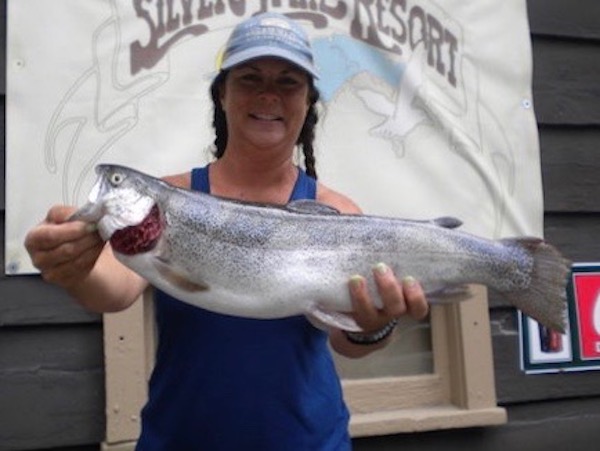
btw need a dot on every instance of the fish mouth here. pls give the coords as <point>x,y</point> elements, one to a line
<point>91,212</point>
<point>95,210</point>
<point>113,208</point>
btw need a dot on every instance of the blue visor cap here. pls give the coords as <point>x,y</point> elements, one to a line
<point>269,34</point>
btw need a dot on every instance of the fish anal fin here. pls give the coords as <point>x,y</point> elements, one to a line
<point>449,294</point>
<point>323,319</point>
<point>177,279</point>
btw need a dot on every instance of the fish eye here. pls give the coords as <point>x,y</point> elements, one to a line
<point>116,178</point>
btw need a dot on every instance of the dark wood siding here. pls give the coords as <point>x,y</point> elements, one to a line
<point>51,360</point>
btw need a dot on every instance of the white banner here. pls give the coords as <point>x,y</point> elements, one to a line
<point>426,111</point>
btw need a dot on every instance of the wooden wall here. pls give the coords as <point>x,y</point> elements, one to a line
<point>51,360</point>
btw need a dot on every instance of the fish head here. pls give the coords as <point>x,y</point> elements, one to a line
<point>121,198</point>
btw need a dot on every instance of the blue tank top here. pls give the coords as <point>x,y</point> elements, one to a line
<point>228,383</point>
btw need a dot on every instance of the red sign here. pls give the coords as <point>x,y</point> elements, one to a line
<point>587,300</point>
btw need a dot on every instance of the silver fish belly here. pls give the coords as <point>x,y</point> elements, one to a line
<point>264,261</point>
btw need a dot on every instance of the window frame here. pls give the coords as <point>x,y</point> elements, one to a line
<point>459,393</point>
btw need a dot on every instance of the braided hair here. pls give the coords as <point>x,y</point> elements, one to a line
<point>305,138</point>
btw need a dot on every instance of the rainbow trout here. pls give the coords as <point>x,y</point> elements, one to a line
<point>266,261</point>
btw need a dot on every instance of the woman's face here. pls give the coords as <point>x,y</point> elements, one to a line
<point>265,102</point>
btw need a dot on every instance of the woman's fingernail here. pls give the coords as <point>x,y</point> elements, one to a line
<point>356,281</point>
<point>409,281</point>
<point>381,268</point>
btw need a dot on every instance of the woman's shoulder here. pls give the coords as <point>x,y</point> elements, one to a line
<point>183,180</point>
<point>337,200</point>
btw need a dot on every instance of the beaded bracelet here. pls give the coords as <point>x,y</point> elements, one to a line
<point>359,338</point>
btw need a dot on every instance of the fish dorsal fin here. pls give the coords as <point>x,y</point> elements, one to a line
<point>311,207</point>
<point>447,222</point>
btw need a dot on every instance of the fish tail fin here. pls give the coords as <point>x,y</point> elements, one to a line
<point>545,298</point>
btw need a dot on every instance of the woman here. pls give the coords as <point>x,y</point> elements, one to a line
<point>232,383</point>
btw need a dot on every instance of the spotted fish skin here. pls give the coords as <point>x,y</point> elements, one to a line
<point>266,261</point>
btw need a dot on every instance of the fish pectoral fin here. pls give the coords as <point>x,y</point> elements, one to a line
<point>311,207</point>
<point>177,279</point>
<point>449,294</point>
<point>323,319</point>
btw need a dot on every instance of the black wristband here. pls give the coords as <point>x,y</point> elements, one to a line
<point>359,338</point>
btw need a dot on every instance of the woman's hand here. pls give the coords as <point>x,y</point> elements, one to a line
<point>64,252</point>
<point>398,298</point>
<point>73,256</point>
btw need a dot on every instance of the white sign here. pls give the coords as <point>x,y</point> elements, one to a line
<point>426,110</point>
